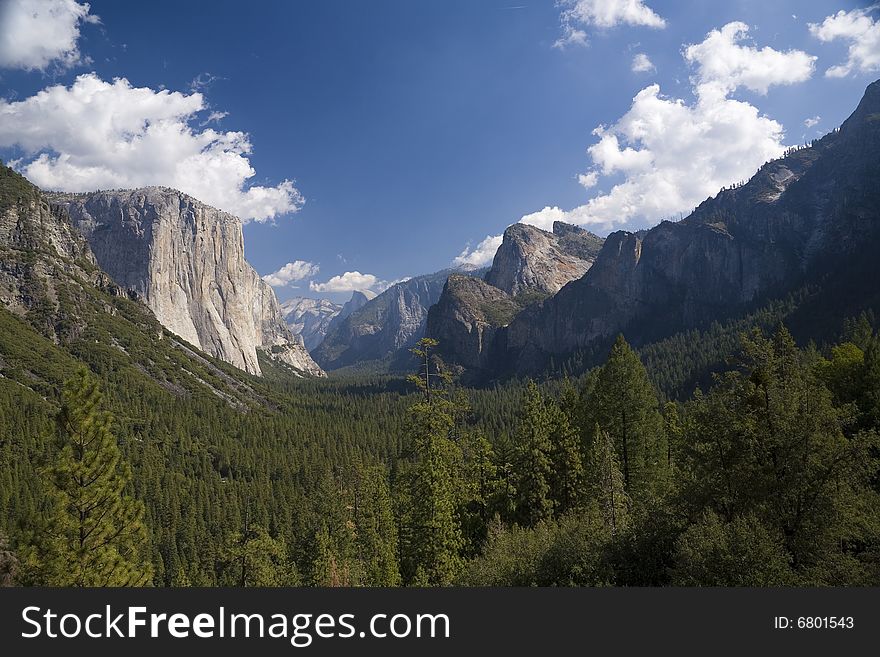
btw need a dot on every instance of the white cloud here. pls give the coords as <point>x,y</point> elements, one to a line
<point>602,14</point>
<point>588,179</point>
<point>99,135</point>
<point>37,33</point>
<point>863,34</point>
<point>723,64</point>
<point>481,255</point>
<point>291,272</point>
<point>642,63</point>
<point>349,282</point>
<point>809,123</point>
<point>672,154</point>
<point>544,219</point>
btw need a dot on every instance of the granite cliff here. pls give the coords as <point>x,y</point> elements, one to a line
<point>186,261</point>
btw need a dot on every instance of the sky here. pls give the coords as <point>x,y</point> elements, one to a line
<point>362,143</point>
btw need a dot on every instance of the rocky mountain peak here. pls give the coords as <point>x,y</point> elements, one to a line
<point>309,318</point>
<point>534,260</point>
<point>185,259</point>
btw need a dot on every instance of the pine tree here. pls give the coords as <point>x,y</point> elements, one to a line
<point>433,536</point>
<point>8,563</point>
<point>252,557</point>
<point>375,527</point>
<point>567,472</point>
<point>534,467</point>
<point>767,442</point>
<point>96,536</point>
<point>606,485</point>
<point>625,405</point>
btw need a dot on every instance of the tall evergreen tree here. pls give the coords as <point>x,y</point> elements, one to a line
<point>767,442</point>
<point>567,471</point>
<point>96,536</point>
<point>534,465</point>
<point>624,403</point>
<point>252,557</point>
<point>433,539</point>
<point>8,563</point>
<point>606,485</point>
<point>375,527</point>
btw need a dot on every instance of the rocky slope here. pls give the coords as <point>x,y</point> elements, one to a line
<point>309,318</point>
<point>530,265</point>
<point>801,219</point>
<point>534,260</point>
<point>465,319</point>
<point>383,329</point>
<point>59,310</point>
<point>186,261</point>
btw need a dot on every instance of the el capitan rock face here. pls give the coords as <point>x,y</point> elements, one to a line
<point>186,261</point>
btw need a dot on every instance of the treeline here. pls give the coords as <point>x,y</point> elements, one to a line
<point>769,476</point>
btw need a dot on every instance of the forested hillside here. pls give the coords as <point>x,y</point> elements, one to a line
<point>767,477</point>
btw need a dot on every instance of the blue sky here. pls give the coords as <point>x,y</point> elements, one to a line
<point>408,131</point>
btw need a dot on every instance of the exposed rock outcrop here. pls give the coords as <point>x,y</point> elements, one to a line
<point>186,261</point>
<point>309,318</point>
<point>530,265</point>
<point>534,260</point>
<point>465,319</point>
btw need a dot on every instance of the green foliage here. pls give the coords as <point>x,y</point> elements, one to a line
<point>742,552</point>
<point>95,535</point>
<point>432,539</point>
<point>8,563</point>
<point>570,551</point>
<point>365,480</point>
<point>624,404</point>
<point>253,558</point>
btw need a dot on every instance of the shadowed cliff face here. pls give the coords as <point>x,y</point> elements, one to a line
<point>384,328</point>
<point>795,221</point>
<point>186,260</point>
<point>530,265</point>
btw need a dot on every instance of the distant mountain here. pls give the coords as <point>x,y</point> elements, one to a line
<point>359,299</point>
<point>380,332</point>
<point>810,218</point>
<point>186,261</point>
<point>309,318</point>
<point>530,265</point>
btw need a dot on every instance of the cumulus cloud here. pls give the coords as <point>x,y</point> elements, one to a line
<point>725,64</point>
<point>863,34</point>
<point>577,14</point>
<point>291,273</point>
<point>809,123</point>
<point>544,219</point>
<point>96,134</point>
<point>351,281</point>
<point>37,33</point>
<point>642,63</point>
<point>481,255</point>
<point>670,154</point>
